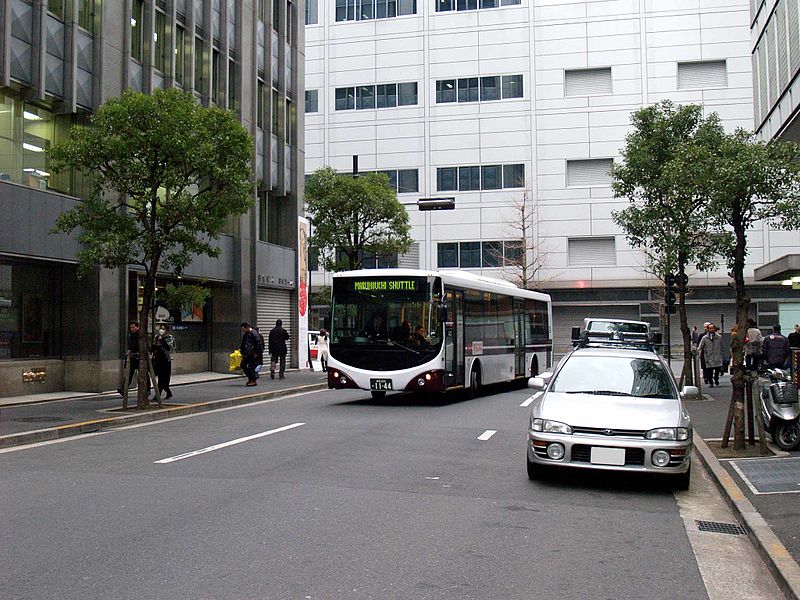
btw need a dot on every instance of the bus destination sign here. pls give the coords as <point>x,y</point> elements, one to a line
<point>387,285</point>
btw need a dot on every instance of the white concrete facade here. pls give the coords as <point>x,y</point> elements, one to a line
<point>689,51</point>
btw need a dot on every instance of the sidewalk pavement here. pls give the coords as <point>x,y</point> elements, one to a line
<point>771,520</point>
<point>43,417</point>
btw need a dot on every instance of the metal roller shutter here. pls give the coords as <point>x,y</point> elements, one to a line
<point>271,305</point>
<point>701,75</point>
<point>589,172</point>
<point>585,82</point>
<point>697,314</point>
<point>583,252</point>
<point>567,317</point>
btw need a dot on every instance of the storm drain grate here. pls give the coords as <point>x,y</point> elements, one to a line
<point>717,527</point>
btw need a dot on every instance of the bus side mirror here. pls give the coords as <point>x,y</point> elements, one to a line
<point>442,313</point>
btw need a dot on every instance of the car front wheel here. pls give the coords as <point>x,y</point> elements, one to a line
<point>681,482</point>
<point>535,471</point>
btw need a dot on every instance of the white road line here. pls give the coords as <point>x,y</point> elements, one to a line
<point>487,434</point>
<point>531,399</point>
<point>164,461</point>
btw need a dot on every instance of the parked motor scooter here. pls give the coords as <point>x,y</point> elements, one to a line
<point>781,410</point>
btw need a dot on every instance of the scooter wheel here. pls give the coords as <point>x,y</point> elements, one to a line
<point>787,435</point>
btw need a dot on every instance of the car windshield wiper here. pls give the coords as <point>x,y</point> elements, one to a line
<point>667,396</point>
<point>599,392</point>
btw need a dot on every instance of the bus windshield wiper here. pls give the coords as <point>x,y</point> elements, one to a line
<point>404,347</point>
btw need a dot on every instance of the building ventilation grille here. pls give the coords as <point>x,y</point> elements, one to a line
<point>588,82</point>
<point>701,75</point>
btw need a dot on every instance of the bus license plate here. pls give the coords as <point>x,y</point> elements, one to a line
<point>380,385</point>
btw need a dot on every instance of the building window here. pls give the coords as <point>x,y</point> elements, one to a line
<point>199,65</point>
<point>160,42</point>
<point>407,94</point>
<point>449,5</point>
<point>468,89</point>
<point>584,252</point>
<point>446,179</point>
<point>445,91</point>
<point>180,54</point>
<point>276,114</point>
<point>702,75</point>
<point>86,15</point>
<point>232,103</point>
<point>311,12</point>
<point>469,254</point>
<point>514,176</point>
<point>407,181</point>
<point>385,9</point>
<point>56,7</point>
<point>587,82</point>
<point>386,95</point>
<point>345,98</point>
<point>492,254</point>
<point>261,103</point>
<point>472,178</point>
<point>511,86</point>
<point>137,29</point>
<point>469,178</point>
<point>366,10</point>
<point>447,254</point>
<point>218,81</point>
<point>312,101</point>
<point>589,172</point>
<point>490,88</point>
<point>276,15</point>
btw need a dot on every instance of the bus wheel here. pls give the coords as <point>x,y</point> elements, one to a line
<point>474,382</point>
<point>378,395</point>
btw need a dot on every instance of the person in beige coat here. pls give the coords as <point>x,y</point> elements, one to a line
<point>711,348</point>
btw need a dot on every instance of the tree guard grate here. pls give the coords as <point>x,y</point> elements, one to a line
<point>717,527</point>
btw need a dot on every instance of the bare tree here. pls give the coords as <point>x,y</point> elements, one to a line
<point>522,255</point>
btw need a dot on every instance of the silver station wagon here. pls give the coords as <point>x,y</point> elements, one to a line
<point>610,408</point>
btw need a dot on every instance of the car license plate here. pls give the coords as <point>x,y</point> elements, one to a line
<point>380,385</point>
<point>607,456</point>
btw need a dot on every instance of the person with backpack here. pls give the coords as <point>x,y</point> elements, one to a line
<point>249,350</point>
<point>776,349</point>
<point>277,349</point>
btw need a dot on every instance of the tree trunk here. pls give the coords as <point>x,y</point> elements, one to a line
<point>142,401</point>
<point>687,376</point>
<point>742,310</point>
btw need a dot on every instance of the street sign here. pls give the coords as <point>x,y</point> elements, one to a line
<point>436,203</point>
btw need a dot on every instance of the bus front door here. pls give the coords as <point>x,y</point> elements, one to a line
<point>454,339</point>
<point>519,337</point>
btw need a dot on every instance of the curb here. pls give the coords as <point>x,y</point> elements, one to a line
<point>783,567</point>
<point>73,429</point>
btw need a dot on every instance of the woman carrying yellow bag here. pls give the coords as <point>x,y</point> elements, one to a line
<point>235,360</point>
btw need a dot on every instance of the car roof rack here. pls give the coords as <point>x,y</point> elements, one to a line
<point>616,340</point>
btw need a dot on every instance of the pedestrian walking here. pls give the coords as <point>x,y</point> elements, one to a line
<point>259,352</point>
<point>753,346</point>
<point>695,337</point>
<point>163,349</point>
<point>277,349</point>
<point>249,350</point>
<point>702,357</point>
<point>710,348</point>
<point>776,349</point>
<point>132,355</point>
<point>322,349</point>
<point>794,337</point>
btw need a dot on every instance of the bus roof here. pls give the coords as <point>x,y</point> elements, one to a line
<point>455,278</point>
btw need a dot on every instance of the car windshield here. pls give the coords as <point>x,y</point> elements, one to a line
<point>614,375</point>
<point>616,326</point>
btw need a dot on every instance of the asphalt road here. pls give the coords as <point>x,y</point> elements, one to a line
<point>332,495</point>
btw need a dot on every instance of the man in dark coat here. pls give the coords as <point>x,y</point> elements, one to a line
<point>277,349</point>
<point>776,349</point>
<point>794,337</point>
<point>249,349</point>
<point>132,354</point>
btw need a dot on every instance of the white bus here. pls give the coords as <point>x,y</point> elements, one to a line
<point>427,331</point>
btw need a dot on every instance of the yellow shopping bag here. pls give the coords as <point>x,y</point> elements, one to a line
<point>236,360</point>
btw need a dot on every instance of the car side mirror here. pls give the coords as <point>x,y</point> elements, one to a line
<point>537,383</point>
<point>576,334</point>
<point>689,392</point>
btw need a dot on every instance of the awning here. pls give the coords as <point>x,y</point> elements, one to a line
<point>781,269</point>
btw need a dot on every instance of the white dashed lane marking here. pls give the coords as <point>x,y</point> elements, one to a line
<point>487,434</point>
<point>531,399</point>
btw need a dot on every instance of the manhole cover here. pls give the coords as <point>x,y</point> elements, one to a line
<point>40,419</point>
<point>770,475</point>
<point>717,527</point>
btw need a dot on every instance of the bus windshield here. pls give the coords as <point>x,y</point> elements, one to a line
<point>384,323</point>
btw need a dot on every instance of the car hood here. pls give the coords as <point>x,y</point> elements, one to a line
<point>620,412</point>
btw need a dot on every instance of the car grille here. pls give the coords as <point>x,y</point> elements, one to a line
<point>583,453</point>
<point>610,432</point>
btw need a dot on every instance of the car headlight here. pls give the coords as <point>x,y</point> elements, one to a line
<point>547,426</point>
<point>678,434</point>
